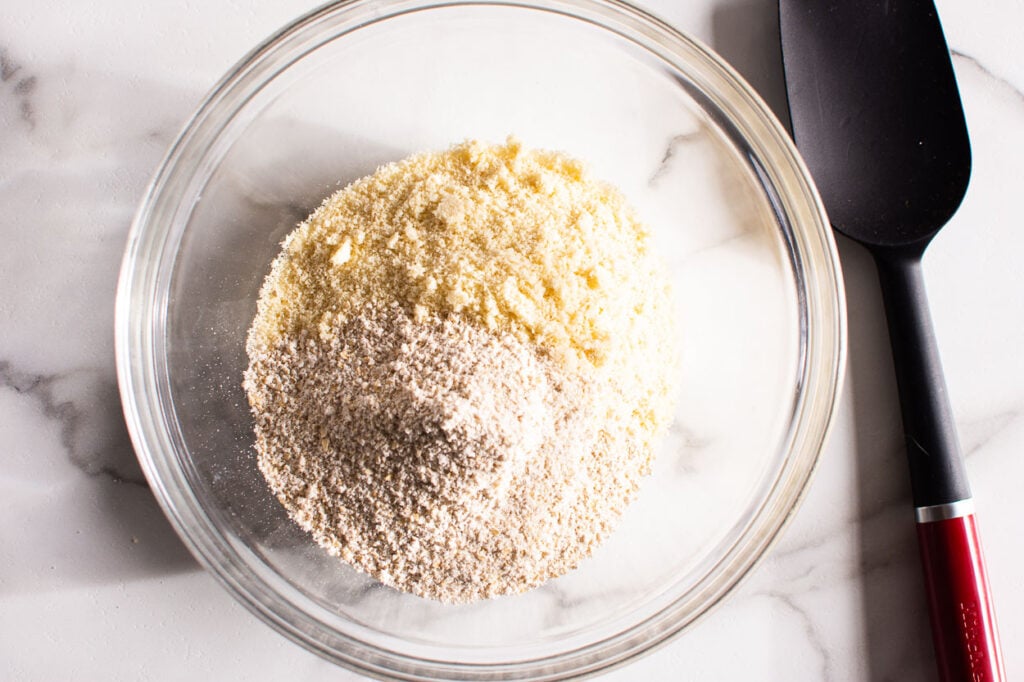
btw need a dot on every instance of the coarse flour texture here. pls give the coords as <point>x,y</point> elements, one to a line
<point>458,369</point>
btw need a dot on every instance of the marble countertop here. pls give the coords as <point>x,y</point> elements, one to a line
<point>94,583</point>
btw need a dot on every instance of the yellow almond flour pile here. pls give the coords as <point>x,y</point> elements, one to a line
<point>458,369</point>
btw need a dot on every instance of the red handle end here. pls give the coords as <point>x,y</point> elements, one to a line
<point>962,616</point>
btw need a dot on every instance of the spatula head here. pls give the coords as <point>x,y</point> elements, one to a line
<point>876,115</point>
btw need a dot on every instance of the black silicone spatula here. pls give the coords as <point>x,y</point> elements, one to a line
<point>877,116</point>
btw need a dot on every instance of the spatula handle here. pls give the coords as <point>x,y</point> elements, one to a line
<point>937,472</point>
<point>959,602</point>
<point>960,605</point>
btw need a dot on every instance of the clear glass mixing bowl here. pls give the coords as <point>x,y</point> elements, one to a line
<point>358,84</point>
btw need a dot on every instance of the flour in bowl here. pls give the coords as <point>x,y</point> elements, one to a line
<point>459,367</point>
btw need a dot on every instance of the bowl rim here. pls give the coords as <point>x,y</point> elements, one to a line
<point>819,282</point>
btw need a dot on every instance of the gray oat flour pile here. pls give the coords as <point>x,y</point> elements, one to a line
<point>442,459</point>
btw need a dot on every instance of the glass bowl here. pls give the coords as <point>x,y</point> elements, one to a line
<point>358,84</point>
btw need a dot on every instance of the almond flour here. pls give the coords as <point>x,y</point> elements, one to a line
<point>458,369</point>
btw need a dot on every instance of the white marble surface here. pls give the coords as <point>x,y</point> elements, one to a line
<point>94,584</point>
